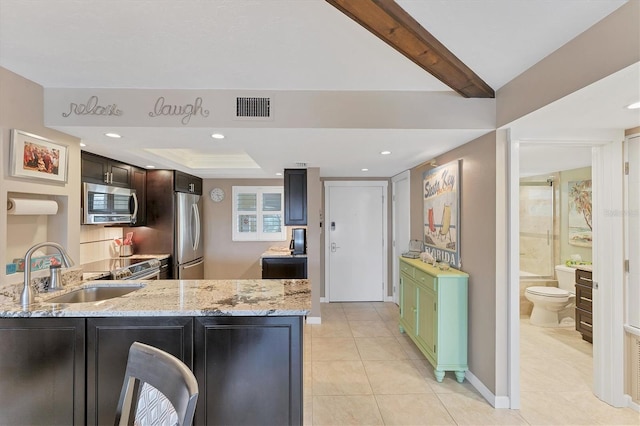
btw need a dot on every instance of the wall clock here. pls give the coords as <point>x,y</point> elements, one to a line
<point>217,195</point>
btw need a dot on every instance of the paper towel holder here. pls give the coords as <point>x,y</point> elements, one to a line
<point>28,206</point>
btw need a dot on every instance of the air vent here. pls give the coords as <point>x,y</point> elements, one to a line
<point>253,107</point>
<point>301,164</point>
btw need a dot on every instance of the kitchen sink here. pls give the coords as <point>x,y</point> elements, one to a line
<point>95,294</point>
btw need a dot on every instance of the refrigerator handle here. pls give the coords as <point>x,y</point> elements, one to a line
<point>196,214</point>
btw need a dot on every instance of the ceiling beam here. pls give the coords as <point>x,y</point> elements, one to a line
<point>387,20</point>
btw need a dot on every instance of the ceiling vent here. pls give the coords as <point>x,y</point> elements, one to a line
<point>253,108</point>
<point>301,164</point>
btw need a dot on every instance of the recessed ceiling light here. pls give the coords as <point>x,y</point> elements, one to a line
<point>150,167</point>
<point>635,105</point>
<point>83,144</point>
<point>365,170</point>
<point>113,135</point>
<point>278,174</point>
<point>385,152</point>
<point>217,136</point>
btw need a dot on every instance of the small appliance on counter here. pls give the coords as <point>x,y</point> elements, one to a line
<point>298,243</point>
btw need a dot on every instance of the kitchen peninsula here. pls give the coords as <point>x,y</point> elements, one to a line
<point>242,338</point>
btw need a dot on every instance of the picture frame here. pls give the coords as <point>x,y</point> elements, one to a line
<point>441,195</point>
<point>35,157</point>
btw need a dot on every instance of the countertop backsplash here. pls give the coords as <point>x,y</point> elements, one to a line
<point>97,243</point>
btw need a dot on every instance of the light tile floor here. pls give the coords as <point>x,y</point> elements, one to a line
<point>360,370</point>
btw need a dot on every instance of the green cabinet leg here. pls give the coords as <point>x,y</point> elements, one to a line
<point>460,376</point>
<point>439,375</point>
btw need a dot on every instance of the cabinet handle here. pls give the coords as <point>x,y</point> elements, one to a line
<point>586,324</point>
<point>106,177</point>
<point>586,298</point>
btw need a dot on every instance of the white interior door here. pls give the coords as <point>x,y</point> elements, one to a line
<point>356,241</point>
<point>400,189</point>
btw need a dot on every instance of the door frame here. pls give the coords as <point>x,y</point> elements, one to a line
<point>385,246</point>
<point>608,344</point>
<point>398,212</point>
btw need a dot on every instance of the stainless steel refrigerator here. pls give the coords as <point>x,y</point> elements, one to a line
<point>174,222</point>
<point>189,261</point>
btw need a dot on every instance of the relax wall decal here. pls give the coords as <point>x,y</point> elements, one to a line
<point>92,107</point>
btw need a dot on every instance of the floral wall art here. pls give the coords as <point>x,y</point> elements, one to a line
<point>580,222</point>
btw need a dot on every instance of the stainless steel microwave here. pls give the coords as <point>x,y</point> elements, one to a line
<point>104,204</point>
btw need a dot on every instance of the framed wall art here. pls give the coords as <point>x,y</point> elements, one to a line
<point>441,190</point>
<point>35,157</point>
<point>580,226</point>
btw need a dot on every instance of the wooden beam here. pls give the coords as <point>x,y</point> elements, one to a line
<point>387,20</point>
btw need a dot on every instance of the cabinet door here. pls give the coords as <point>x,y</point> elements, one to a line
<point>408,304</point>
<point>120,174</point>
<point>42,369</point>
<point>283,268</point>
<point>184,182</point>
<point>108,343</point>
<point>295,197</point>
<point>427,320</point>
<point>139,183</point>
<point>249,370</point>
<point>94,168</point>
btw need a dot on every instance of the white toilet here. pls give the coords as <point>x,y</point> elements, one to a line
<point>548,301</point>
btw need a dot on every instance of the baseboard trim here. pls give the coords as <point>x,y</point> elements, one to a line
<point>495,401</point>
<point>323,300</point>
<point>314,320</point>
<point>632,404</point>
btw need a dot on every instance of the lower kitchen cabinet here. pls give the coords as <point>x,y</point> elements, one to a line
<point>584,304</point>
<point>433,313</point>
<point>249,370</point>
<point>42,371</point>
<point>282,267</point>
<point>108,343</point>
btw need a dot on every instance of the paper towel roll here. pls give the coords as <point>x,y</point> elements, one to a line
<point>24,206</point>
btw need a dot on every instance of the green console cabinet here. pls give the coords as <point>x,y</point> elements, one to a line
<point>433,313</point>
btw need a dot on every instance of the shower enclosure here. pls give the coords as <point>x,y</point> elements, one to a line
<point>537,212</point>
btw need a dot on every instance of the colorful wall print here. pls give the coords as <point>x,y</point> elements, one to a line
<point>442,212</point>
<point>580,224</point>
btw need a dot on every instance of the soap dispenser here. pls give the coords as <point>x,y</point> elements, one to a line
<point>55,278</point>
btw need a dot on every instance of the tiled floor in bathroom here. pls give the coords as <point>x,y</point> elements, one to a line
<point>360,370</point>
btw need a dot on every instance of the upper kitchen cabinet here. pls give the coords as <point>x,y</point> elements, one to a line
<point>102,170</point>
<point>295,197</point>
<point>139,183</point>
<point>184,182</point>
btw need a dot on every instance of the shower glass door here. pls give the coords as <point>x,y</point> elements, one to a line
<point>536,230</point>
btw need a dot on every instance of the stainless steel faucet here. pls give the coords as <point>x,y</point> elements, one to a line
<point>27,292</point>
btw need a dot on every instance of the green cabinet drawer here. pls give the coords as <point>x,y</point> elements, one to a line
<point>425,279</point>
<point>407,269</point>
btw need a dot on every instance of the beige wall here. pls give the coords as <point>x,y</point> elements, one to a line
<point>21,107</point>
<point>224,258</point>
<point>477,244</point>
<point>607,47</point>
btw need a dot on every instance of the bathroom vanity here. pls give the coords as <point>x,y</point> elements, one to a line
<point>433,313</point>
<point>584,305</point>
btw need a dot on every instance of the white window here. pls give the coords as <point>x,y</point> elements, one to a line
<point>258,213</point>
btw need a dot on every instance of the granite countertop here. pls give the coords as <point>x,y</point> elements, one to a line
<point>280,254</point>
<point>180,298</point>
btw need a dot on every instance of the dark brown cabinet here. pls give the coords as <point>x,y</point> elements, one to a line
<point>295,197</point>
<point>42,371</point>
<point>584,304</point>
<point>108,342</point>
<point>98,169</point>
<point>139,183</point>
<point>284,267</point>
<point>184,182</point>
<point>70,370</point>
<point>248,370</point>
